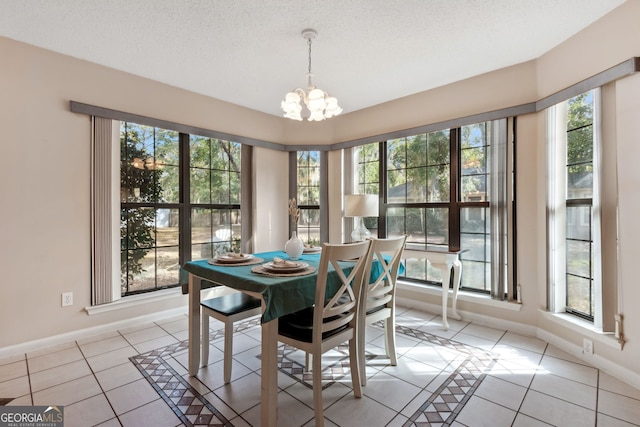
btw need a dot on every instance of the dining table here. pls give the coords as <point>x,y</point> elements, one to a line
<point>280,294</point>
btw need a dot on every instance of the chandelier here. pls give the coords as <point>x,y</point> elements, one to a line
<point>320,105</point>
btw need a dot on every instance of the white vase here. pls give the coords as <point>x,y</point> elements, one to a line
<point>294,246</point>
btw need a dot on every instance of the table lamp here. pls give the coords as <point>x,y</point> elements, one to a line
<point>361,206</point>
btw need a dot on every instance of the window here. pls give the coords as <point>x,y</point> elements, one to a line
<point>418,195</point>
<point>579,203</point>
<point>437,190</point>
<point>308,196</point>
<point>149,202</point>
<point>475,230</point>
<point>572,148</point>
<point>167,177</point>
<point>214,196</point>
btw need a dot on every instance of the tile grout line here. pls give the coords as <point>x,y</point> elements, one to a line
<point>104,393</point>
<point>26,361</point>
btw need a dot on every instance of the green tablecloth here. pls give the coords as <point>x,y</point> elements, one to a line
<point>282,295</point>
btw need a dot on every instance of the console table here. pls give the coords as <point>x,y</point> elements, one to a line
<point>444,260</point>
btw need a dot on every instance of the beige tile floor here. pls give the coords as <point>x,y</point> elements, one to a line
<point>527,382</point>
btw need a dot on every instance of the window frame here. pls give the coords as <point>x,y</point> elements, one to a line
<point>560,201</point>
<point>186,209</point>
<point>456,206</point>
<point>323,197</point>
<point>105,191</point>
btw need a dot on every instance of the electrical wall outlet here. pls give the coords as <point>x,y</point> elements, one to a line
<point>587,346</point>
<point>67,299</point>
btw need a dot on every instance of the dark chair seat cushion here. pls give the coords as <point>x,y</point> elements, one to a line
<point>232,303</point>
<point>299,325</point>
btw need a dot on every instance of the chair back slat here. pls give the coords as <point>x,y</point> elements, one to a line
<point>339,322</point>
<point>345,285</point>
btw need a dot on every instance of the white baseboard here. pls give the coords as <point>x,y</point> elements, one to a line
<point>51,341</point>
<point>467,316</point>
<point>492,322</point>
<point>420,305</point>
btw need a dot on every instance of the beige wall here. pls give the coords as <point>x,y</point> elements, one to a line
<point>271,218</point>
<point>44,185</point>
<point>44,179</point>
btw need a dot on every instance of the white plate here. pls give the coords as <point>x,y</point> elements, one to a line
<point>233,259</point>
<point>288,267</point>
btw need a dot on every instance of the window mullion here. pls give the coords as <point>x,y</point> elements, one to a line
<point>382,188</point>
<point>184,199</point>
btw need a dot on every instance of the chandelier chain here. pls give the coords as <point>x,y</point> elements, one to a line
<point>309,44</point>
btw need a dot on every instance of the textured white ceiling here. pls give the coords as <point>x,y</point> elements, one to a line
<point>250,52</point>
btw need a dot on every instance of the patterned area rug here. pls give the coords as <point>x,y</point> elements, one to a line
<point>440,409</point>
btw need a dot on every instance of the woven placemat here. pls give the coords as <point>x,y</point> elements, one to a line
<point>259,269</point>
<point>250,261</point>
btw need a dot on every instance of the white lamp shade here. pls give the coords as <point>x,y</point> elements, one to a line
<point>291,106</point>
<point>316,94</point>
<point>292,97</point>
<point>333,109</point>
<point>361,205</point>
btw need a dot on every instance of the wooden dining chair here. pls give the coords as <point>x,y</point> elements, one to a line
<point>228,309</point>
<point>378,299</point>
<point>332,319</point>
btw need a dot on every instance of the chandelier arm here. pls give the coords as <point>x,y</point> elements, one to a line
<point>302,94</point>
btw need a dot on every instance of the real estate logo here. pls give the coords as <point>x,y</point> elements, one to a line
<point>31,416</point>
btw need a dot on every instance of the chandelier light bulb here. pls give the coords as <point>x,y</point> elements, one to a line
<point>320,105</point>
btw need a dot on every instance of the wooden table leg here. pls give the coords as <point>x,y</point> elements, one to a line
<point>194,324</point>
<point>269,372</point>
